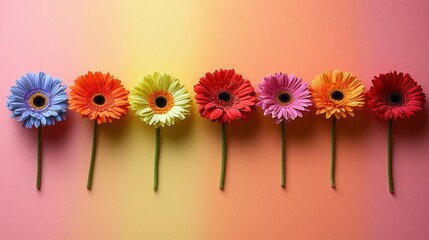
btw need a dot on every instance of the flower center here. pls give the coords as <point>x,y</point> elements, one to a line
<point>38,101</point>
<point>224,96</point>
<point>337,95</point>
<point>284,97</point>
<point>99,99</point>
<point>161,101</point>
<point>395,98</point>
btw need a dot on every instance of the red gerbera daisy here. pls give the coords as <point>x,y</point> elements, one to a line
<point>395,95</point>
<point>224,96</point>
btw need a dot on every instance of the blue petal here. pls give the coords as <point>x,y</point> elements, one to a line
<point>32,120</point>
<point>17,91</point>
<point>33,79</point>
<point>43,120</point>
<point>49,113</point>
<point>21,83</point>
<point>19,110</point>
<point>27,123</point>
<point>16,104</point>
<point>27,113</point>
<point>60,90</point>
<point>14,98</point>
<point>55,88</point>
<point>63,116</point>
<point>36,115</point>
<point>47,82</point>
<point>28,81</point>
<point>39,79</point>
<point>55,108</point>
<point>24,116</point>
<point>59,99</point>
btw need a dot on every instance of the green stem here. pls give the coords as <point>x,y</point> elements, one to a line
<point>156,168</point>
<point>222,174</point>
<point>334,123</point>
<point>91,166</point>
<point>389,157</point>
<point>283,161</point>
<point>39,158</point>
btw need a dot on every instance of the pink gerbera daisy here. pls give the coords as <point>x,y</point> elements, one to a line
<point>284,97</point>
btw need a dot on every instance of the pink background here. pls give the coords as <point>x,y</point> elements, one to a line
<point>187,38</point>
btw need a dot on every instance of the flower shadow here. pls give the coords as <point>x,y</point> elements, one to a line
<point>54,136</point>
<point>356,127</point>
<point>27,137</point>
<point>244,130</point>
<point>301,129</point>
<point>415,128</point>
<point>115,131</point>
<point>181,130</point>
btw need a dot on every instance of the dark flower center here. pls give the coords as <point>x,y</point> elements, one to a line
<point>284,97</point>
<point>224,96</point>
<point>337,95</point>
<point>99,99</point>
<point>395,98</point>
<point>39,101</point>
<point>161,101</point>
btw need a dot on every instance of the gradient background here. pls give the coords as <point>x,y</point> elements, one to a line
<point>188,38</point>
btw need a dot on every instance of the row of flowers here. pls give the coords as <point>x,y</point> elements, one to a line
<point>39,100</point>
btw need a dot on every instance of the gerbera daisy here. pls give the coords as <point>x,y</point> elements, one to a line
<point>160,100</point>
<point>38,100</point>
<point>394,96</point>
<point>284,97</point>
<point>224,96</point>
<point>99,97</point>
<point>336,93</point>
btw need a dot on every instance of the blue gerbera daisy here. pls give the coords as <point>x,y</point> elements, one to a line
<point>38,100</point>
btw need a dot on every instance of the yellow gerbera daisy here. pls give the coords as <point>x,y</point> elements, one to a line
<point>337,93</point>
<point>160,100</point>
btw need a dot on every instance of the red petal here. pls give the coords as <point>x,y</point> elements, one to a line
<point>216,114</point>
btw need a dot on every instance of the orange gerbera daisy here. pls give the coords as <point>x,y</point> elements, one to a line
<point>99,97</point>
<point>337,93</point>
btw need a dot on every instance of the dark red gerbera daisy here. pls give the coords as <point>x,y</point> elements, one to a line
<point>224,96</point>
<point>392,96</point>
<point>395,95</point>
